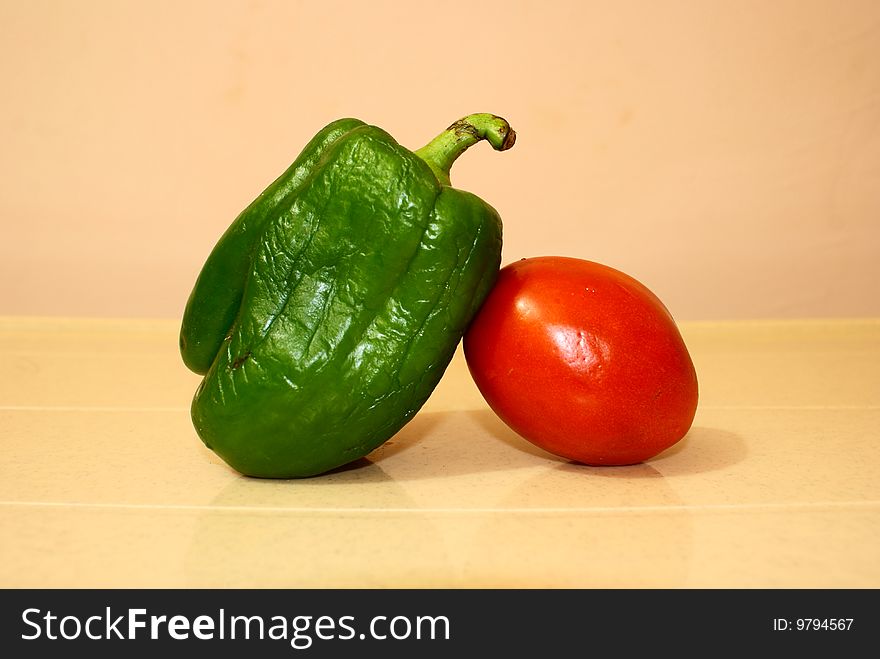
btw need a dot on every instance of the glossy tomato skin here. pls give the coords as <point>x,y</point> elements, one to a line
<point>582,360</point>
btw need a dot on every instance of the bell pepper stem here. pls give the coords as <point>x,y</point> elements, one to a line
<point>443,150</point>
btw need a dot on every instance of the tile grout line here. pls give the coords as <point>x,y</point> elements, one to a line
<point>158,408</point>
<point>758,507</point>
<point>88,408</point>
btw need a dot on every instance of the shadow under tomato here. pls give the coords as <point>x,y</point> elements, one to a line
<point>494,426</point>
<point>701,450</point>
<point>439,445</point>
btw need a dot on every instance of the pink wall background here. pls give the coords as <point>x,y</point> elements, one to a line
<point>725,153</point>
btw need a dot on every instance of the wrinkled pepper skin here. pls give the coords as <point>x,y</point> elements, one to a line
<point>327,313</point>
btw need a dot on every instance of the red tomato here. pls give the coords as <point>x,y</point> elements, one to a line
<point>583,361</point>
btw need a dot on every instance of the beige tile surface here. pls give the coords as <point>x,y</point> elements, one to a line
<point>105,483</point>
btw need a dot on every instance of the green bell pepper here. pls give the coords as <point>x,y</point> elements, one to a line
<point>328,311</point>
